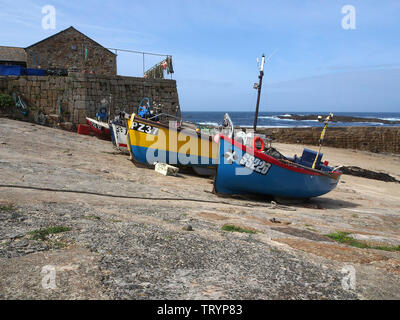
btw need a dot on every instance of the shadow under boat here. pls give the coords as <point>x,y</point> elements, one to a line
<point>320,203</point>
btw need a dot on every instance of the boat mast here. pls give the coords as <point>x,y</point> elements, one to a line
<point>259,91</point>
<point>321,139</point>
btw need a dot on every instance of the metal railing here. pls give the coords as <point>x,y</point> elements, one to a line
<point>143,56</point>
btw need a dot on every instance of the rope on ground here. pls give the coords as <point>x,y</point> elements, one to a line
<point>136,197</point>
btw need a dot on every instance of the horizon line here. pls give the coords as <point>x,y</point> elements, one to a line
<point>286,111</point>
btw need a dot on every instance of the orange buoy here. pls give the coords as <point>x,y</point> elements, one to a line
<point>258,139</point>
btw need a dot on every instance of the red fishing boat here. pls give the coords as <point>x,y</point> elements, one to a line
<point>99,128</point>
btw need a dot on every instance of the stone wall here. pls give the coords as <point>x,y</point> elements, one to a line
<point>72,49</point>
<point>80,95</point>
<point>374,139</point>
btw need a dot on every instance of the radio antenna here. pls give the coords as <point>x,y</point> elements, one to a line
<point>258,86</point>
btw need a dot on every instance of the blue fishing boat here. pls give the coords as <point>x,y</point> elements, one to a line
<point>247,166</point>
<point>245,170</point>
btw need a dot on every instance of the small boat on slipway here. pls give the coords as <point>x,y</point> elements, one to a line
<point>99,128</point>
<point>176,143</point>
<point>248,166</point>
<point>118,133</point>
<point>118,136</point>
<point>245,169</point>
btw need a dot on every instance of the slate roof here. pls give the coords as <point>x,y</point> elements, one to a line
<point>12,54</point>
<point>70,28</point>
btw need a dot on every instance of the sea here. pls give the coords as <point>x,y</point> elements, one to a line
<point>271,120</point>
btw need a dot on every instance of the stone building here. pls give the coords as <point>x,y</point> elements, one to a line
<point>12,56</point>
<point>77,94</point>
<point>71,49</point>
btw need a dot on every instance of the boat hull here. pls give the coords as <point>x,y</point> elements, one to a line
<point>118,137</point>
<point>100,129</point>
<point>150,142</point>
<point>241,170</point>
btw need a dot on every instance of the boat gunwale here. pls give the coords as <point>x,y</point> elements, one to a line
<point>100,123</point>
<point>164,126</point>
<point>289,166</point>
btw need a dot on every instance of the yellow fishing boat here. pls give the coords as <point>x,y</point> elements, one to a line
<point>177,143</point>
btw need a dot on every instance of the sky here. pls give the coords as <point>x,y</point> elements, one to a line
<point>317,64</point>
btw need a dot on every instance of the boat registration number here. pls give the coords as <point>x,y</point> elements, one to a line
<point>120,130</point>
<point>96,126</point>
<point>254,164</point>
<point>145,128</point>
